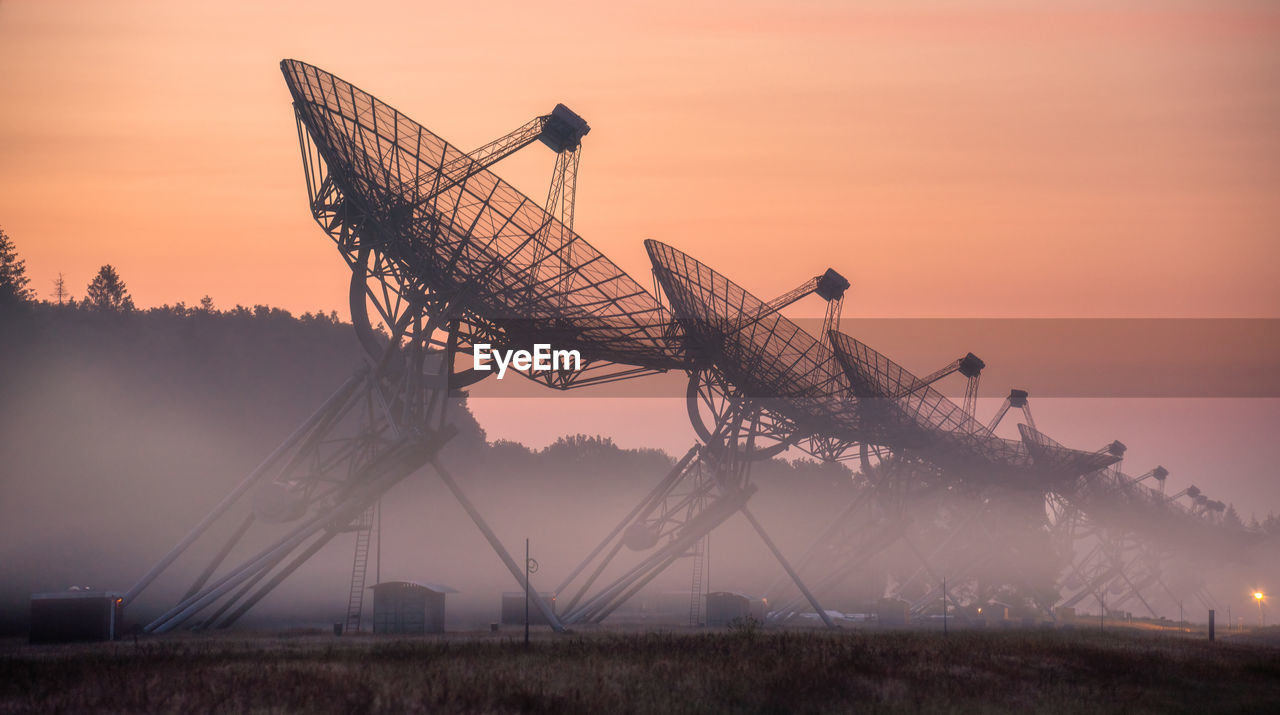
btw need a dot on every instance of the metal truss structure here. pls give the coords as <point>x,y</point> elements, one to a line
<point>1125,536</point>
<point>939,477</point>
<point>1097,528</point>
<point>758,385</point>
<point>445,255</point>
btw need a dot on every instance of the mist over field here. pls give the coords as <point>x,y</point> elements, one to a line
<point>120,432</point>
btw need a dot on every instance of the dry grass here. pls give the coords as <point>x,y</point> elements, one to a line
<point>766,671</point>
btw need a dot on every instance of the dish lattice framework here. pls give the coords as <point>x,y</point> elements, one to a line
<point>448,227</point>
<point>764,355</point>
<point>906,414</point>
<point>1110,498</point>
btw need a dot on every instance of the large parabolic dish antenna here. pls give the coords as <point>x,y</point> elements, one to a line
<point>451,230</point>
<point>764,355</point>
<point>758,385</point>
<point>908,414</point>
<point>1062,461</point>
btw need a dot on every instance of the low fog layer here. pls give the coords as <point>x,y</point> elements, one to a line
<point>121,431</point>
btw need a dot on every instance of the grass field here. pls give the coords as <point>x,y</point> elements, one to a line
<point>1122,671</point>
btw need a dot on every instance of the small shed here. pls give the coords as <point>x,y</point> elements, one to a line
<point>725,607</point>
<point>893,612</point>
<point>513,608</point>
<point>408,607</point>
<point>75,615</point>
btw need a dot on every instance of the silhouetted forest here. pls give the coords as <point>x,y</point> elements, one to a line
<point>122,427</point>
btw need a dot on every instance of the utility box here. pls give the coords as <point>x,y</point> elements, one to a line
<point>408,607</point>
<point>725,607</point>
<point>893,612</point>
<point>75,615</point>
<point>513,608</point>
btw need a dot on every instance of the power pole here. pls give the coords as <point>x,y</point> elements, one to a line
<point>944,605</point>
<point>377,569</point>
<point>526,592</point>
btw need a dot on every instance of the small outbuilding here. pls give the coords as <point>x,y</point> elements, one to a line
<point>893,612</point>
<point>75,615</point>
<point>408,607</point>
<point>725,607</point>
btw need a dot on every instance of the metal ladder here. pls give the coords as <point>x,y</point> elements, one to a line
<point>359,568</point>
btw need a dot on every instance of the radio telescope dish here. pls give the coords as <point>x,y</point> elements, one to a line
<point>906,414</point>
<point>1054,458</point>
<point>763,355</point>
<point>921,419</point>
<point>1116,501</point>
<point>444,229</point>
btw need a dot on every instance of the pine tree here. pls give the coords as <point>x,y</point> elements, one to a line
<point>107,292</point>
<point>13,274</point>
<point>1232,517</point>
<point>1272,524</point>
<point>60,289</point>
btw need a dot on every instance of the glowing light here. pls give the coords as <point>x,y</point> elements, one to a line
<point>1257,595</point>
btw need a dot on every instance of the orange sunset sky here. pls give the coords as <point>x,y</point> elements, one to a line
<point>953,159</point>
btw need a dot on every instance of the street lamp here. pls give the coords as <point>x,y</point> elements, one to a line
<point>1258,596</point>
